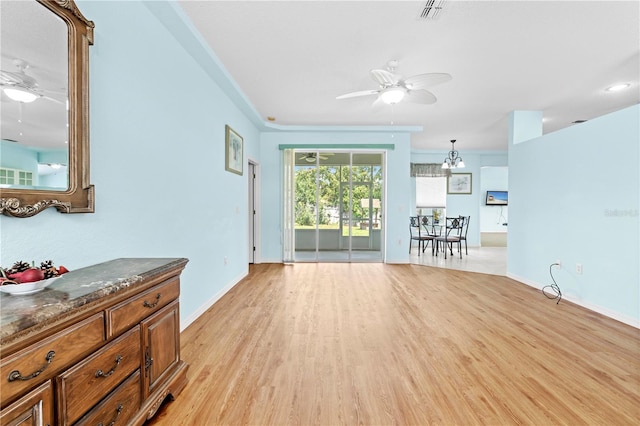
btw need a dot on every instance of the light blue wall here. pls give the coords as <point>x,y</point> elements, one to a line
<point>157,162</point>
<point>57,179</point>
<point>462,204</point>
<point>573,197</point>
<point>492,218</point>
<point>398,193</point>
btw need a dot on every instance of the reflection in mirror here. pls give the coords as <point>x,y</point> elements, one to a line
<point>44,94</point>
<point>34,96</point>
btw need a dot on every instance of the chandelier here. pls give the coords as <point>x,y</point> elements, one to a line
<point>453,160</point>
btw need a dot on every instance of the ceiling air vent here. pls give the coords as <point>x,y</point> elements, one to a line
<point>432,9</point>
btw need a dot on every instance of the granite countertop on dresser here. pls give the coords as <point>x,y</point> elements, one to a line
<point>75,289</point>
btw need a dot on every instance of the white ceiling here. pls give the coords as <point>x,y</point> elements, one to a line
<point>292,58</point>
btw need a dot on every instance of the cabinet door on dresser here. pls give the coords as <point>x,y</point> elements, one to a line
<point>161,343</point>
<point>33,409</point>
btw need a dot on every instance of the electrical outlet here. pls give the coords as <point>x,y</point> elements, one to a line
<point>579,268</point>
<point>399,241</point>
<point>226,260</point>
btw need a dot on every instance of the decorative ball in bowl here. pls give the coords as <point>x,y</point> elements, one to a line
<point>27,288</point>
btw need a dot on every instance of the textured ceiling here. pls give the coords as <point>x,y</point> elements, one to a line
<point>292,58</point>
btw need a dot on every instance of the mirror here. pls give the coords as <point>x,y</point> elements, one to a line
<point>44,156</point>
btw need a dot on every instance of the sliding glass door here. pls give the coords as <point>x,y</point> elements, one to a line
<point>338,199</point>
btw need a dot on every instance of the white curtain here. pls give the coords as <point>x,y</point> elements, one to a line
<point>288,242</point>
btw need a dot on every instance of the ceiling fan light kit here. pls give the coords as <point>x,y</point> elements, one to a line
<point>19,94</point>
<point>392,95</point>
<point>453,160</point>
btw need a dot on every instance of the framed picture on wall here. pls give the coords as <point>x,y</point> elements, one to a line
<point>233,151</point>
<point>459,183</point>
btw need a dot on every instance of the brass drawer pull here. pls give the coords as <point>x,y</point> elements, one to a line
<point>15,374</point>
<point>113,422</point>
<point>152,305</point>
<point>99,373</point>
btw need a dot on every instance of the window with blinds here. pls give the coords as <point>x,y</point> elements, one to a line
<point>431,192</point>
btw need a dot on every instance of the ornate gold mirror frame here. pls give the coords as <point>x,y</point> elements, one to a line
<point>79,195</point>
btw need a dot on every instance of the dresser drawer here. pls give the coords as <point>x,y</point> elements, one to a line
<point>119,407</point>
<point>82,386</point>
<point>35,408</point>
<point>36,363</point>
<point>124,315</point>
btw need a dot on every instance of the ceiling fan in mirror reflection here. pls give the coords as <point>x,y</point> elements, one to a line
<point>21,87</point>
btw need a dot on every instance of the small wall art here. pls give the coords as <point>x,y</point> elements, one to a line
<point>459,183</point>
<point>233,151</point>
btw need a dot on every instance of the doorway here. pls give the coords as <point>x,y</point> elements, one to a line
<point>253,213</point>
<point>338,200</point>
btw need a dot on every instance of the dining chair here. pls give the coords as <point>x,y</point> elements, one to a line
<point>452,234</point>
<point>418,233</point>
<point>463,234</point>
<point>430,229</point>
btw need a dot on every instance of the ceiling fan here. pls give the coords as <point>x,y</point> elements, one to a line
<point>21,87</point>
<point>394,88</point>
<point>310,157</point>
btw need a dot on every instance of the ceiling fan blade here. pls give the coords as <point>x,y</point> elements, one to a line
<point>384,78</point>
<point>356,94</point>
<point>53,99</point>
<point>420,97</point>
<point>9,78</point>
<point>378,104</point>
<point>422,81</point>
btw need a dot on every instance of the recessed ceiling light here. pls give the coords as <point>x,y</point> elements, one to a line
<point>271,118</point>
<point>617,87</point>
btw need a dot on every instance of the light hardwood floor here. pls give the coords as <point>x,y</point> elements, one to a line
<point>377,344</point>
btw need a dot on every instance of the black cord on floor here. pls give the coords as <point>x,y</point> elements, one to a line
<point>553,291</point>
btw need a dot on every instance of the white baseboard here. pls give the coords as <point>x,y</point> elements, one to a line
<point>202,309</point>
<point>633,322</point>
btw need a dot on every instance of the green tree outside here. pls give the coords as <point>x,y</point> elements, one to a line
<point>328,185</point>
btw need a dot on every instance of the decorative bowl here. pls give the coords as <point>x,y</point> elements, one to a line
<point>27,288</point>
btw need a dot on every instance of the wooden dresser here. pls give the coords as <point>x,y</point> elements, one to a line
<point>101,345</point>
